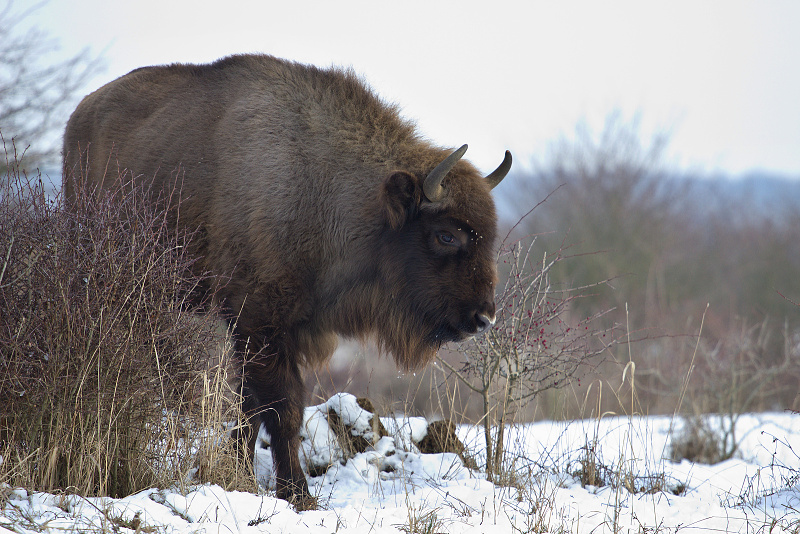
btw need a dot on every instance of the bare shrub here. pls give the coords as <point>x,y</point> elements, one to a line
<point>536,345</point>
<point>743,369</point>
<point>699,443</point>
<point>103,362</point>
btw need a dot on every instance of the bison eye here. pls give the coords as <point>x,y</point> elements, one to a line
<point>446,238</point>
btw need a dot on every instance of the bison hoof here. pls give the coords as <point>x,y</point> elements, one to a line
<point>298,496</point>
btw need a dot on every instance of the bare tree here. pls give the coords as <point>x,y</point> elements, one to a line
<point>36,96</point>
<point>673,244</point>
<point>619,199</point>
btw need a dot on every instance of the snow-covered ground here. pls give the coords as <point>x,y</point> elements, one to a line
<point>391,487</point>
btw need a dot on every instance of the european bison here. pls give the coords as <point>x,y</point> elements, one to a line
<point>326,211</point>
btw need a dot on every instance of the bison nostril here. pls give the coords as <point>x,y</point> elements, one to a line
<point>483,322</point>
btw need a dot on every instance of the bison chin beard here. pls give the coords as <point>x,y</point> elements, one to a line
<point>412,336</point>
<point>445,333</point>
<point>412,344</point>
<point>416,347</point>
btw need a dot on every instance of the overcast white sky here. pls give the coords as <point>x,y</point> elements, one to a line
<point>723,77</point>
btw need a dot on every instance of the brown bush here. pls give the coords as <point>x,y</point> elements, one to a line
<point>102,358</point>
<point>699,443</point>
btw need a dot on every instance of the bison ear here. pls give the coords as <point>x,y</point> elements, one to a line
<point>401,196</point>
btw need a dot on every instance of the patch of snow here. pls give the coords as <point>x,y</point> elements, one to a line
<point>391,484</point>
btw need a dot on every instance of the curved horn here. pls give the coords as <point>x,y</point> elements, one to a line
<point>500,172</point>
<point>432,186</point>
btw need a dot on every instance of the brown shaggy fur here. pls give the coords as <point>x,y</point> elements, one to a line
<point>306,191</point>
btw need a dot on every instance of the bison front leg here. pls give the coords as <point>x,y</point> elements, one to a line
<point>274,394</point>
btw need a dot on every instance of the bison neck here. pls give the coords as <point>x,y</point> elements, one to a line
<point>364,309</point>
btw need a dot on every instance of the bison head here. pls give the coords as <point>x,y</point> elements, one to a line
<point>438,257</point>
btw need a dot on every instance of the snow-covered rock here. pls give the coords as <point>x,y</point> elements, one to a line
<point>346,429</point>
